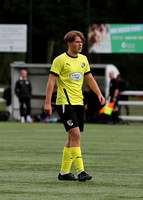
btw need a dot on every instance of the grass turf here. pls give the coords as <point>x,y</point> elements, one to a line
<point>30,160</point>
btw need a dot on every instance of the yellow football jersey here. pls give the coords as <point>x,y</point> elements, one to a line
<point>70,72</point>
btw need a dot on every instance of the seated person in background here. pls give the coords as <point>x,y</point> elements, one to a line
<point>43,117</point>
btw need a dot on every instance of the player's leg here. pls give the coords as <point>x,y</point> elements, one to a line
<point>65,174</point>
<point>69,119</point>
<point>66,158</point>
<point>76,154</point>
<point>66,163</point>
<point>74,134</point>
<point>75,146</point>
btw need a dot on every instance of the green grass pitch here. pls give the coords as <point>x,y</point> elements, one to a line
<point>30,160</point>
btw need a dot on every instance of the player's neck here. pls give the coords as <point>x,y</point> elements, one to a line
<point>72,54</point>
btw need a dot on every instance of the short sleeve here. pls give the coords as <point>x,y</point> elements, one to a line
<point>87,67</point>
<point>56,66</point>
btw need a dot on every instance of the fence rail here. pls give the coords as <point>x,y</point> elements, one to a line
<point>132,103</point>
<point>132,118</point>
<point>132,93</point>
<point>1,90</point>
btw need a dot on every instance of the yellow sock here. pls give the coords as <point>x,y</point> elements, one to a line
<point>77,159</point>
<point>66,160</point>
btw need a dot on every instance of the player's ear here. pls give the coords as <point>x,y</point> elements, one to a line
<point>68,43</point>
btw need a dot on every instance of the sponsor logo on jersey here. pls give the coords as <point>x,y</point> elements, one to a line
<point>70,122</point>
<point>83,65</point>
<point>76,76</point>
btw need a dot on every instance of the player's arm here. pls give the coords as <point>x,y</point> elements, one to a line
<point>49,91</point>
<point>93,85</point>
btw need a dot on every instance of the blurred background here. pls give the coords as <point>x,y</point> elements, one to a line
<point>48,21</point>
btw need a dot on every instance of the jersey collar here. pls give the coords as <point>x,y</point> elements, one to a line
<point>71,56</point>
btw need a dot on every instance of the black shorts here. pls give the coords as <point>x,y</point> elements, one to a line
<point>71,116</point>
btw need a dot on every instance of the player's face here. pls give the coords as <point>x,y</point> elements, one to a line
<point>76,45</point>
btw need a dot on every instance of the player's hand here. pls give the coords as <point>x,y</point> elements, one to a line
<point>101,99</point>
<point>48,109</point>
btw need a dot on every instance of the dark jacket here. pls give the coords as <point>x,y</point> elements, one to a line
<point>23,88</point>
<point>113,86</point>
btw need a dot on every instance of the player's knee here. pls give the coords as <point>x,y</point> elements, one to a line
<point>74,134</point>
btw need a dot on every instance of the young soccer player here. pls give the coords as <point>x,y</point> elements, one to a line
<point>69,70</point>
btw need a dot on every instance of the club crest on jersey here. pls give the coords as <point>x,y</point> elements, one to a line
<point>70,122</point>
<point>83,65</point>
<point>76,76</point>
